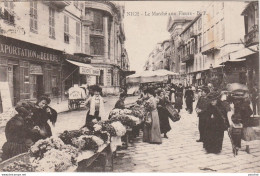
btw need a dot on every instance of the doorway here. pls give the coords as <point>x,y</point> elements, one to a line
<point>13,77</point>
<point>39,86</point>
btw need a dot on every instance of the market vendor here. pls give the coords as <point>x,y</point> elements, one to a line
<point>41,115</point>
<point>95,105</point>
<point>19,131</point>
<point>120,104</point>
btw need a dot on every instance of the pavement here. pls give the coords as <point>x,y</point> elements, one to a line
<point>181,153</point>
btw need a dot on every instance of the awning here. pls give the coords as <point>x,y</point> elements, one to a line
<point>244,52</point>
<point>233,60</point>
<point>85,69</point>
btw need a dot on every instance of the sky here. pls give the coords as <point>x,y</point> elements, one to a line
<point>143,32</point>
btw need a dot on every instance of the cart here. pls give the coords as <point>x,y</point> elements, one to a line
<point>77,96</point>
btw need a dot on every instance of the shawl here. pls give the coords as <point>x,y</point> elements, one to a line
<point>101,107</point>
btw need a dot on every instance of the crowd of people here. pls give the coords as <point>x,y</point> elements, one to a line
<point>217,111</point>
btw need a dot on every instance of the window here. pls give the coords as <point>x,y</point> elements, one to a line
<point>223,30</point>
<point>200,24</point>
<point>97,21</point>
<point>51,23</point>
<point>101,78</point>
<point>96,45</point>
<point>66,29</point>
<point>24,80</point>
<point>86,42</point>
<point>8,15</point>
<point>33,17</point>
<point>77,34</point>
<point>217,32</point>
<point>112,77</point>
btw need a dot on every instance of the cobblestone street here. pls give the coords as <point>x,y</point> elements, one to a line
<point>181,153</point>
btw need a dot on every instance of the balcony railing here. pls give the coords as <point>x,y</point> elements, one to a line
<point>193,34</point>
<point>187,58</point>
<point>251,37</point>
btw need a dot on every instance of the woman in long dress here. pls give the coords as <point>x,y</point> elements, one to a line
<point>95,104</point>
<point>152,133</point>
<point>41,115</point>
<point>19,131</point>
<point>163,114</point>
<point>215,124</point>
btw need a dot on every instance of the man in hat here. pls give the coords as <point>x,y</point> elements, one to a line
<point>201,108</point>
<point>189,97</point>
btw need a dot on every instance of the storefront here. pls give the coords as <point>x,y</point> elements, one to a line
<point>30,70</point>
<point>77,70</point>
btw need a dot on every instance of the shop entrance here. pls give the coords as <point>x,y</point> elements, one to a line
<point>13,76</point>
<point>36,85</point>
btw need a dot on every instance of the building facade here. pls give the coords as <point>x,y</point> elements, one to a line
<point>203,45</point>
<point>159,57</point>
<point>47,47</point>
<point>104,39</point>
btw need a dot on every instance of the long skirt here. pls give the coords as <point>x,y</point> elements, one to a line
<point>213,140</point>
<point>164,120</point>
<point>152,133</point>
<point>248,134</point>
<point>11,149</point>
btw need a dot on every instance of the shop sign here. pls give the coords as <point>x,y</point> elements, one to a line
<point>36,69</point>
<point>96,72</point>
<point>85,71</point>
<point>9,46</point>
<point>89,71</point>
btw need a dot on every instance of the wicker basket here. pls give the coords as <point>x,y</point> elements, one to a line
<point>25,157</point>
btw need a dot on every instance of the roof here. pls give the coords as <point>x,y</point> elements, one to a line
<point>191,23</point>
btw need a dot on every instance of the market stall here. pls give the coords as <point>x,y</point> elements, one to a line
<point>76,150</point>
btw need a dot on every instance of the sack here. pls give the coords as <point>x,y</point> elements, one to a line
<point>173,113</point>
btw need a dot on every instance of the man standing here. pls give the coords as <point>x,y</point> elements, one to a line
<point>189,96</point>
<point>255,100</point>
<point>201,110</point>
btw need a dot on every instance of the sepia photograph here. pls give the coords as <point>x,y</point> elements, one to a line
<point>129,87</point>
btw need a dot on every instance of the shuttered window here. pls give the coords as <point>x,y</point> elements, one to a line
<point>51,23</point>
<point>33,17</point>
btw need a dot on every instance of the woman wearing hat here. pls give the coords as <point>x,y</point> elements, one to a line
<point>95,104</point>
<point>215,123</point>
<point>163,113</point>
<point>41,115</point>
<point>19,131</point>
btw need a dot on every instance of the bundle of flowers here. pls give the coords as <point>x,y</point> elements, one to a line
<point>19,166</point>
<point>54,161</point>
<point>44,145</point>
<point>105,136</point>
<point>67,136</point>
<point>126,120</point>
<point>106,126</point>
<point>116,112</point>
<point>87,142</point>
<point>119,128</point>
<point>138,111</point>
<point>148,105</point>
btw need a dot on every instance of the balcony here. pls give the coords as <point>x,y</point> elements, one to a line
<point>60,5</point>
<point>193,34</point>
<point>209,48</point>
<point>252,37</point>
<point>86,20</point>
<point>188,58</point>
